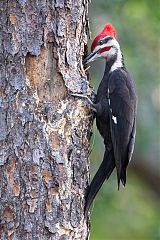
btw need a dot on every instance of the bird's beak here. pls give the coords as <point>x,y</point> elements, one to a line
<point>90,57</point>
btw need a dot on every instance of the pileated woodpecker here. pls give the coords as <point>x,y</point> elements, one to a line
<point>115,109</point>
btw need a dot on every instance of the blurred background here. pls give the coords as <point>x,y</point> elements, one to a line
<point>132,213</point>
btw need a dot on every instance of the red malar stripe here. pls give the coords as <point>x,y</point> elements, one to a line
<point>104,49</point>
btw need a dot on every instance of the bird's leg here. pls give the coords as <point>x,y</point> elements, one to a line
<point>93,105</point>
<point>82,96</point>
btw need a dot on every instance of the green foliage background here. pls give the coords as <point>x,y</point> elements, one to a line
<point>131,213</point>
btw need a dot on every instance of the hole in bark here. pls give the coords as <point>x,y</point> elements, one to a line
<point>13,70</point>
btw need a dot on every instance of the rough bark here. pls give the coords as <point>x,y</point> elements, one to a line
<point>44,132</point>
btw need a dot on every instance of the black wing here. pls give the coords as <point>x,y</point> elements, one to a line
<point>122,111</point>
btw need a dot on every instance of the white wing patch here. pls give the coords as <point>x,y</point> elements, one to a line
<point>109,102</point>
<point>114,119</point>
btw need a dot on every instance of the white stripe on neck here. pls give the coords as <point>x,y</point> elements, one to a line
<point>118,63</point>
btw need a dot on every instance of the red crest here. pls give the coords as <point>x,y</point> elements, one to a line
<point>108,30</point>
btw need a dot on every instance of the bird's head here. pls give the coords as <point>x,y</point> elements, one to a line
<point>104,45</point>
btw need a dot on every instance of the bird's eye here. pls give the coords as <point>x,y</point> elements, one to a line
<point>100,42</point>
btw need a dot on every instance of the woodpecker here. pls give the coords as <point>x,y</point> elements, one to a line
<point>115,110</point>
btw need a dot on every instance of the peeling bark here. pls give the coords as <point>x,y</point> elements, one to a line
<point>44,132</point>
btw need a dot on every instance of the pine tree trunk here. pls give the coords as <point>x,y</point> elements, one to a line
<point>44,132</point>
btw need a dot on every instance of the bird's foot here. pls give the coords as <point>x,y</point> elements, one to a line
<point>87,98</point>
<point>82,96</point>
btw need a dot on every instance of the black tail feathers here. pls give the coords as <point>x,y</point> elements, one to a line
<point>121,177</point>
<point>104,171</point>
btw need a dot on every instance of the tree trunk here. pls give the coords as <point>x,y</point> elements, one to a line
<point>44,132</point>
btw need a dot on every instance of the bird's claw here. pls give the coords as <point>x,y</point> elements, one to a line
<point>82,96</point>
<point>87,98</point>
